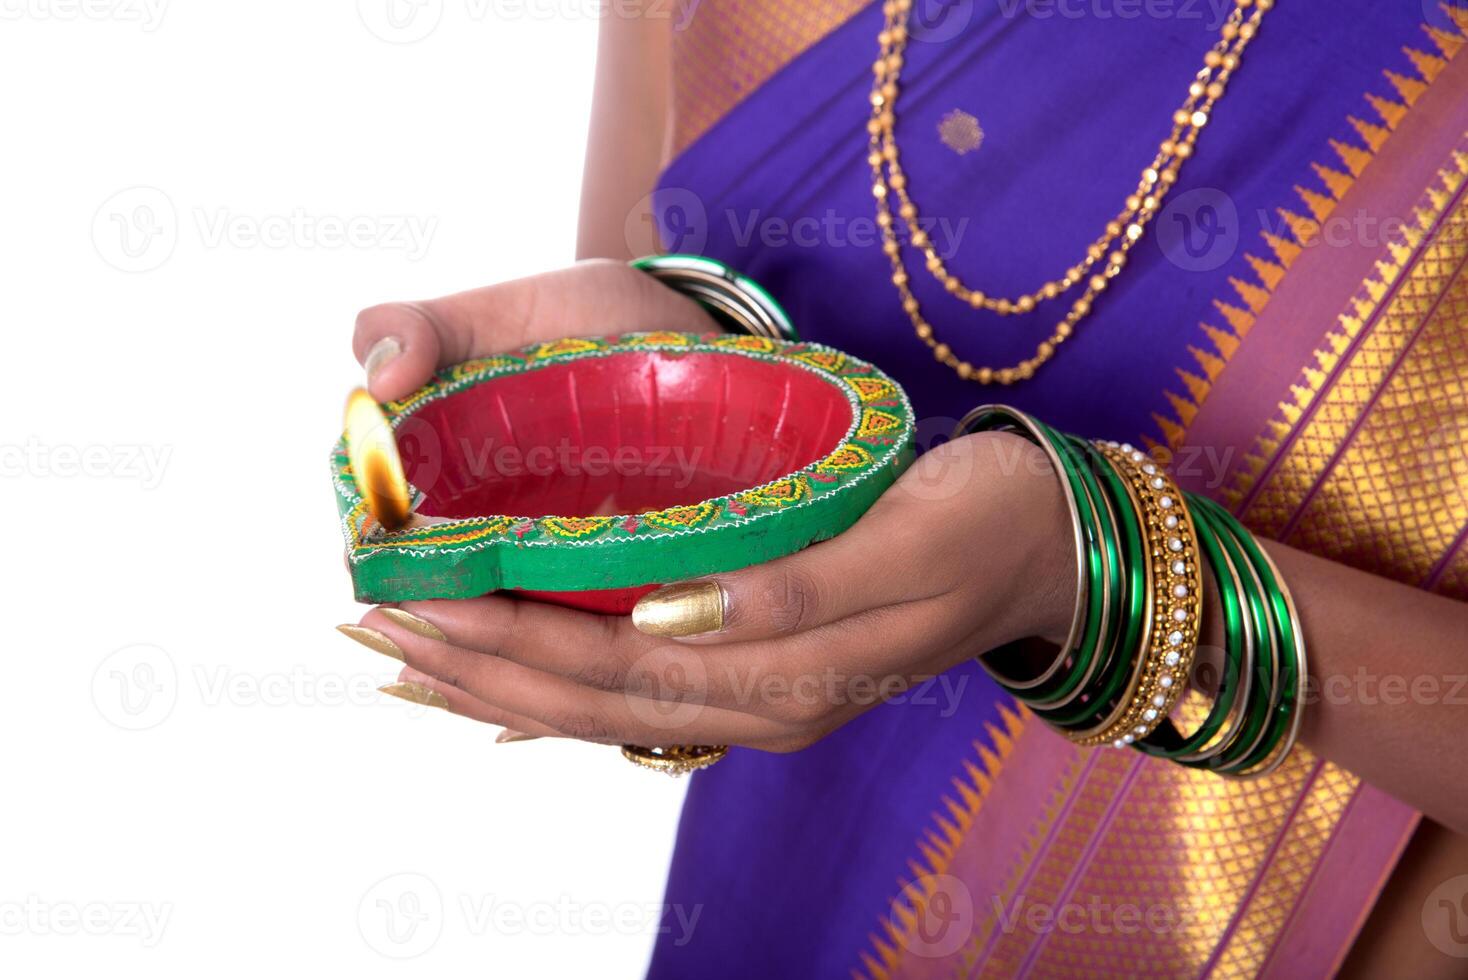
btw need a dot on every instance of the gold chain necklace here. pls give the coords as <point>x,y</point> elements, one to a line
<point>1122,232</point>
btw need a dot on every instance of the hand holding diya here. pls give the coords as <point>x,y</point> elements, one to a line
<point>586,472</point>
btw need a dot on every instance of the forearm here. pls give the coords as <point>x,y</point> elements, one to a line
<point>626,145</point>
<point>1388,691</point>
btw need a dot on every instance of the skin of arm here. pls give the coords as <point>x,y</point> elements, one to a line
<point>1387,697</point>
<point>627,144</point>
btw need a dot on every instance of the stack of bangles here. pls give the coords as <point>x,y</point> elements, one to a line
<point>1141,547</point>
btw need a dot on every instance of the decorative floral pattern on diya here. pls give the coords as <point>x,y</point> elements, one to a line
<point>615,463</point>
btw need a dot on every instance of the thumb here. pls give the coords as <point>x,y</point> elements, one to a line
<point>401,344</point>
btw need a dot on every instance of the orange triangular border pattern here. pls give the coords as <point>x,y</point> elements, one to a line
<point>1301,221</point>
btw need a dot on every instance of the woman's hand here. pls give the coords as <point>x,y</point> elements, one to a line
<point>402,344</point>
<point>969,550</point>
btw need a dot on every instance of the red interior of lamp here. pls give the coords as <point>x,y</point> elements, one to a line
<point>620,434</point>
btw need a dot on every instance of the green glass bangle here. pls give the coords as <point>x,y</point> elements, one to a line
<point>1102,528</point>
<point>1284,700</point>
<point>1129,653</point>
<point>1299,667</point>
<point>1002,418</point>
<point>1265,678</point>
<point>1167,742</point>
<point>736,301</point>
<point>1124,644</point>
<point>1128,645</point>
<point>1263,707</point>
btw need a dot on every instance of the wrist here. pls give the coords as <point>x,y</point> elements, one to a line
<point>1044,580</point>
<point>735,302</point>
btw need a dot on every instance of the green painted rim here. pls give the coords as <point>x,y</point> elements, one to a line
<point>469,557</point>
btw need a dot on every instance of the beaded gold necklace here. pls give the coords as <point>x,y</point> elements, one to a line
<point>1121,234</point>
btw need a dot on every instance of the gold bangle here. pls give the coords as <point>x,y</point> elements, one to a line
<point>1175,584</point>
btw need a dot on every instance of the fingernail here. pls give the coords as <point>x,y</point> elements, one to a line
<point>416,624</point>
<point>381,353</point>
<point>372,640</point>
<point>416,693</point>
<point>684,609</point>
<point>510,735</point>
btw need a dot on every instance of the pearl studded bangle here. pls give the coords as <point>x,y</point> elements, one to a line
<point>1174,589</point>
<point>1225,720</point>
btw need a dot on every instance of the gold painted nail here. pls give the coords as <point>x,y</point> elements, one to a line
<point>510,735</point>
<point>372,640</point>
<point>416,693</point>
<point>417,624</point>
<point>381,353</point>
<point>684,609</point>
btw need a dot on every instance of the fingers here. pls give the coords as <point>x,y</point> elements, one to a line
<point>797,684</point>
<point>870,566</point>
<point>402,344</point>
<point>514,692</point>
<point>603,653</point>
<point>420,688</point>
<point>511,663</point>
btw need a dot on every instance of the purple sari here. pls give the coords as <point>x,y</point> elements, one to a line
<point>951,834</point>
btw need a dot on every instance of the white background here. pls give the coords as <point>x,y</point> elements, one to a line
<point>200,777</point>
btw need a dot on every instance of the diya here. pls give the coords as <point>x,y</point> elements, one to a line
<point>588,471</point>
